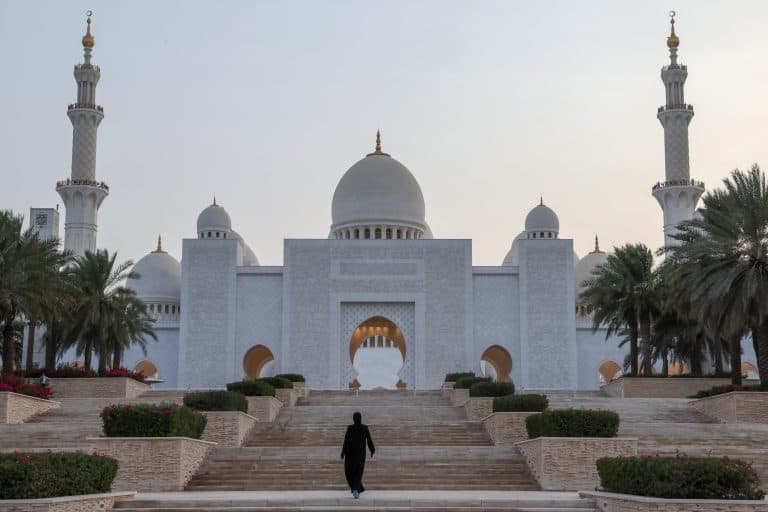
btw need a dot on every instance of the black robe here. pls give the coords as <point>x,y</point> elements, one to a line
<point>353,453</point>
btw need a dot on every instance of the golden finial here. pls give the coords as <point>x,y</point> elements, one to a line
<point>597,245</point>
<point>378,150</point>
<point>159,244</point>
<point>541,200</point>
<point>88,40</point>
<point>672,41</point>
<point>214,200</point>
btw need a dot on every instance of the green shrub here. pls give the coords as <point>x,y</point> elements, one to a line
<point>150,420</point>
<point>492,389</point>
<point>468,382</point>
<point>277,382</point>
<point>572,423</point>
<point>293,377</point>
<point>217,401</point>
<point>252,388</point>
<point>453,377</point>
<point>25,476</point>
<point>520,403</point>
<point>680,477</point>
<point>719,390</point>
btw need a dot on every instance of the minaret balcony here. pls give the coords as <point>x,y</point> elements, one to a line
<point>87,183</point>
<point>675,106</point>
<point>679,183</point>
<point>90,106</point>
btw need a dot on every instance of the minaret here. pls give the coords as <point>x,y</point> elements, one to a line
<point>81,193</point>
<point>678,194</point>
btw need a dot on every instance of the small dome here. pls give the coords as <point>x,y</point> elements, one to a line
<point>159,277</point>
<point>511,259</point>
<point>249,257</point>
<point>542,219</point>
<point>214,218</point>
<point>378,189</point>
<point>583,269</point>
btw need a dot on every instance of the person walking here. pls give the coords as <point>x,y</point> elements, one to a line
<point>353,453</point>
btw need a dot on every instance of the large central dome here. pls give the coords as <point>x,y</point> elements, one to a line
<point>378,197</point>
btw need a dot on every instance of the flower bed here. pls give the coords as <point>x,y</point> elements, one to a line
<point>660,387</point>
<point>73,372</point>
<point>610,502</point>
<point>520,403</point>
<point>12,384</point>
<point>453,377</point>
<point>680,477</point>
<point>735,407</point>
<point>16,408</point>
<point>25,476</point>
<point>151,420</point>
<point>491,389</point>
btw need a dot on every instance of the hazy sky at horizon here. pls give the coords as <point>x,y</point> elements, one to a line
<point>267,104</point>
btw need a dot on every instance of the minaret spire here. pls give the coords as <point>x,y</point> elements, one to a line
<point>678,194</point>
<point>81,193</point>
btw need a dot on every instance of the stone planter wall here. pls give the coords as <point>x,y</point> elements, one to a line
<point>264,408</point>
<point>83,503</point>
<point>735,407</point>
<point>660,387</point>
<point>507,427</point>
<point>98,387</point>
<point>568,463</point>
<point>479,407</point>
<point>446,388</point>
<point>609,502</point>
<point>16,408</point>
<point>227,428</point>
<point>153,464</point>
<point>302,389</point>
<point>459,396</point>
<point>289,397</point>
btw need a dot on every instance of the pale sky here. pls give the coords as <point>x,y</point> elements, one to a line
<point>489,103</point>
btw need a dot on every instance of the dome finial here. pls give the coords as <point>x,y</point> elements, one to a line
<point>541,200</point>
<point>159,244</point>
<point>597,244</point>
<point>88,40</point>
<point>214,200</point>
<point>377,150</point>
<point>672,41</point>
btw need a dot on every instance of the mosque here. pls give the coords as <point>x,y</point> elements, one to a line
<point>380,279</point>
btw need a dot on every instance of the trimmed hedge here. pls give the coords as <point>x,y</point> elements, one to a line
<point>217,401</point>
<point>277,382</point>
<point>150,420</point>
<point>252,388</point>
<point>468,382</point>
<point>520,403</point>
<point>572,423</point>
<point>720,390</point>
<point>679,477</point>
<point>293,377</point>
<point>453,377</point>
<point>492,389</point>
<point>27,476</point>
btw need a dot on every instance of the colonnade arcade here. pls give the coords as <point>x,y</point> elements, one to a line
<point>378,232</point>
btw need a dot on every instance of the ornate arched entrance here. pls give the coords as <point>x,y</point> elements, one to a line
<point>500,360</point>
<point>147,368</point>
<point>608,371</point>
<point>382,337</point>
<point>255,360</point>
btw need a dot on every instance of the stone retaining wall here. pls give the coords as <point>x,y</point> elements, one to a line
<point>16,408</point>
<point>83,503</point>
<point>479,407</point>
<point>98,387</point>
<point>568,463</point>
<point>459,396</point>
<point>153,464</point>
<point>264,408</point>
<point>227,428</point>
<point>507,427</point>
<point>609,502</point>
<point>289,397</point>
<point>446,388</point>
<point>735,407</point>
<point>660,387</point>
<point>302,389</point>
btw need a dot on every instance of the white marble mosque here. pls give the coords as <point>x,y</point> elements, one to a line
<point>381,280</point>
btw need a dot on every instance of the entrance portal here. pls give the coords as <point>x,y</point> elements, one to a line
<point>377,352</point>
<point>256,360</point>
<point>497,362</point>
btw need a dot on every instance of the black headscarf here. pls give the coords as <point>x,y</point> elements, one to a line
<point>357,418</point>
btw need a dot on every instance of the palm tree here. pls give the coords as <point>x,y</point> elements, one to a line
<point>97,278</point>
<point>723,257</point>
<point>132,325</point>
<point>28,268</point>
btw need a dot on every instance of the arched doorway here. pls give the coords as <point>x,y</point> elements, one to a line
<point>500,363</point>
<point>256,360</point>
<point>377,351</point>
<point>147,369</point>
<point>677,368</point>
<point>749,371</point>
<point>608,371</point>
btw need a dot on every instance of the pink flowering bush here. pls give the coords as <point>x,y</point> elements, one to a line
<point>152,420</point>
<point>20,386</point>
<point>680,477</point>
<point>26,476</point>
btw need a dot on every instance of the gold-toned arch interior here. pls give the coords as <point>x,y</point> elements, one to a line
<point>608,370</point>
<point>147,369</point>
<point>255,359</point>
<point>498,357</point>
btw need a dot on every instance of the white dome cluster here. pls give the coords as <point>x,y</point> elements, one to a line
<point>215,223</point>
<point>378,198</point>
<point>542,222</point>
<point>158,284</point>
<point>583,269</point>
